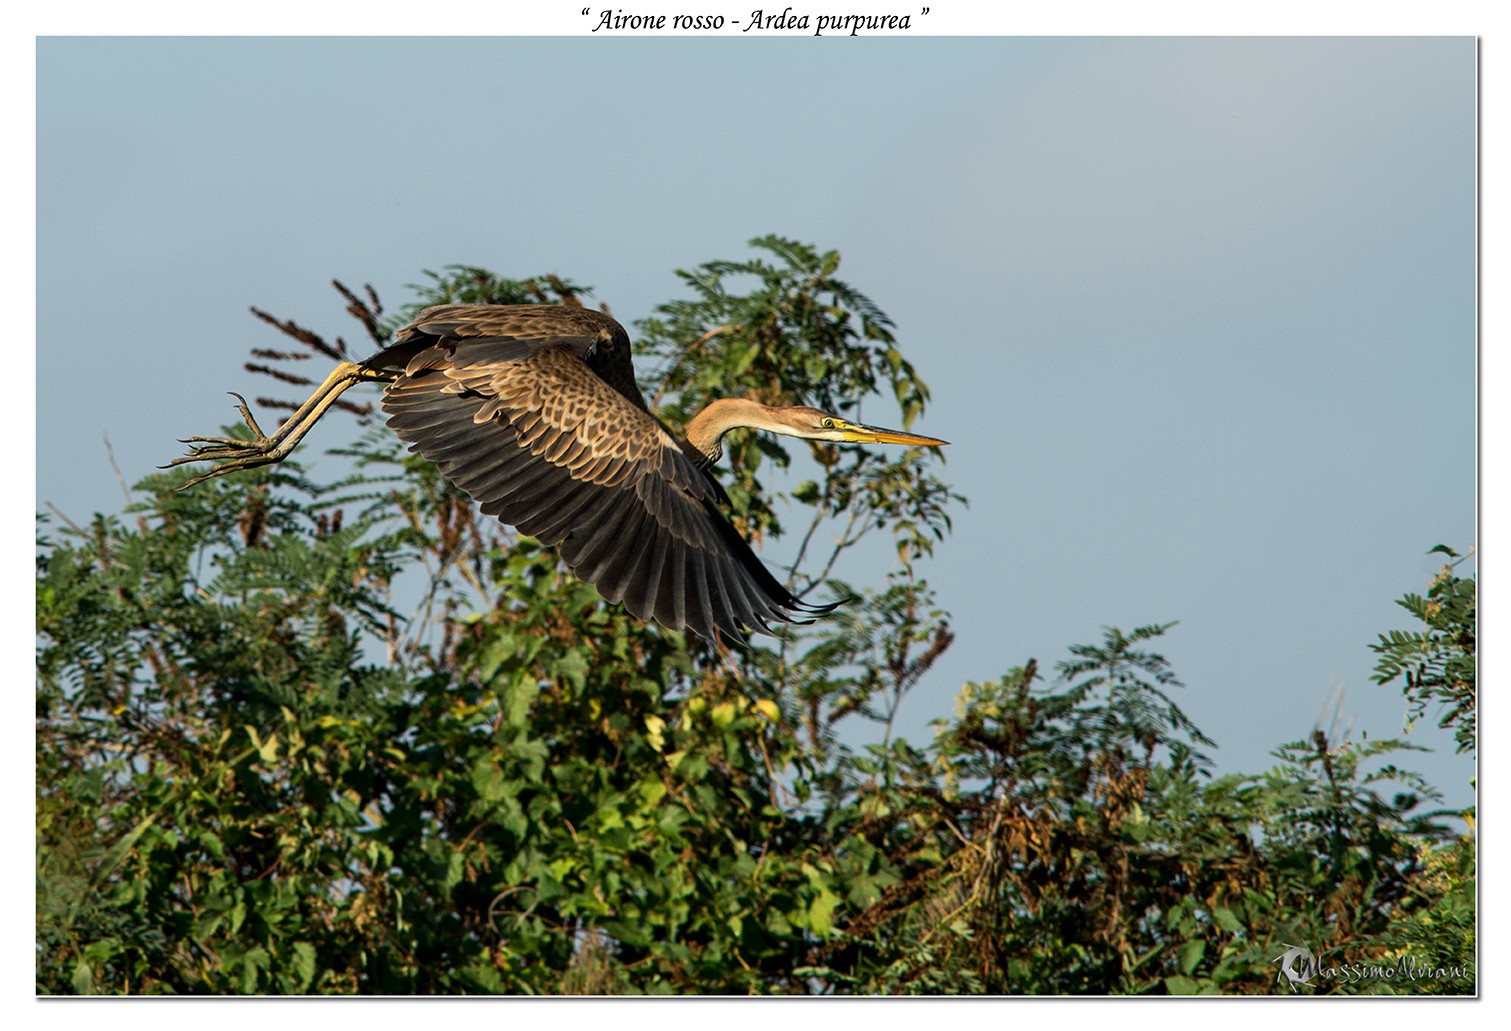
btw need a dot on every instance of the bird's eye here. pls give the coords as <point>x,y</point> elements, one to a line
<point>827,424</point>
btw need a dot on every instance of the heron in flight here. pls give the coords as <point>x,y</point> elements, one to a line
<point>533,410</point>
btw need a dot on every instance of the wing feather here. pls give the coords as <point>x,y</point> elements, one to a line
<point>619,576</point>
<point>642,593</point>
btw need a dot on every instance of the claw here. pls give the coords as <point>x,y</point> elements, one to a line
<point>234,442</point>
<point>246,413</point>
<point>235,453</point>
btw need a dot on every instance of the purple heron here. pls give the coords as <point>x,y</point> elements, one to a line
<point>533,410</point>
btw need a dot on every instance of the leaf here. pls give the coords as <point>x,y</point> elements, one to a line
<point>83,978</point>
<point>821,912</point>
<point>652,790</point>
<point>267,750</point>
<point>1226,919</point>
<point>1191,954</point>
<point>251,962</point>
<point>488,779</point>
<point>655,727</point>
<point>304,965</point>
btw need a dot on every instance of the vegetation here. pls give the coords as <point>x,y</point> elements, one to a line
<point>338,734</point>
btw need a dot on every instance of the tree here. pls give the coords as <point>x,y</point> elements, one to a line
<point>335,733</point>
<point>1438,662</point>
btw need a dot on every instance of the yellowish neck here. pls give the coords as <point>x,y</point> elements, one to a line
<point>725,414</point>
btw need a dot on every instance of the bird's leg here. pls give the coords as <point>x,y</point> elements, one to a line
<point>234,454</point>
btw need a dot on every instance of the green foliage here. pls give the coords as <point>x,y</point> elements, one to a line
<point>1438,662</point>
<point>1436,930</point>
<point>342,735</point>
<point>1069,839</point>
<point>1435,927</point>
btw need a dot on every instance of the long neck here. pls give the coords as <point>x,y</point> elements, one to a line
<point>709,426</point>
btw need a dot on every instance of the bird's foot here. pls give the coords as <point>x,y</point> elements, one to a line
<point>231,452</point>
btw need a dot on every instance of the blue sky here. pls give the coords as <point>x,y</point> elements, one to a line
<point>1198,313</point>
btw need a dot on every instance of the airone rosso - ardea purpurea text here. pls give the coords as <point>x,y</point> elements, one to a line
<point>533,410</point>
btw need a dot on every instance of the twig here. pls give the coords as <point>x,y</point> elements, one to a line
<point>75,527</point>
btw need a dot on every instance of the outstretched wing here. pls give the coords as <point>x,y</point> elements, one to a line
<point>534,412</point>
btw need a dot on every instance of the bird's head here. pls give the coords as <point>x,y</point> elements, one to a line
<point>814,424</point>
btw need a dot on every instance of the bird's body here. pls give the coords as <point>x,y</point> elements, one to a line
<point>534,411</point>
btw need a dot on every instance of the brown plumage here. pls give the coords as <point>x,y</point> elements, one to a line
<point>533,410</point>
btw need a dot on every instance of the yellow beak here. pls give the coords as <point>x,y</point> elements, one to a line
<point>858,434</point>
